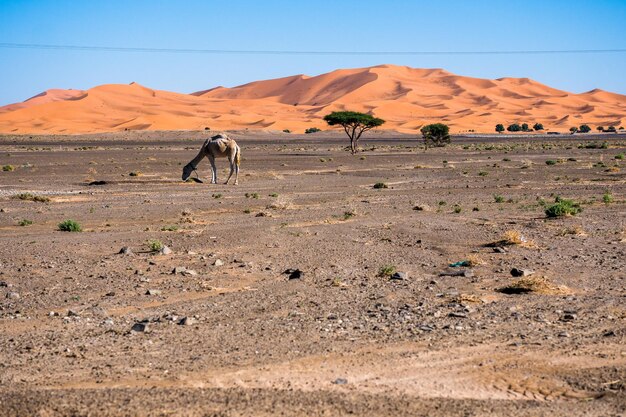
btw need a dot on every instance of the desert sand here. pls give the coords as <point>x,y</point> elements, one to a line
<point>217,328</point>
<point>407,98</point>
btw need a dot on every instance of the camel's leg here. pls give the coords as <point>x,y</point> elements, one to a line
<point>237,159</point>
<point>231,160</point>
<point>213,169</point>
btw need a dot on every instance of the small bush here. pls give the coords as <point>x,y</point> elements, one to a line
<point>7,168</point>
<point>25,222</point>
<point>483,173</point>
<point>31,197</point>
<point>607,198</point>
<point>563,207</point>
<point>498,198</point>
<point>172,228</point>
<point>70,226</point>
<point>155,245</point>
<point>348,214</point>
<point>251,195</point>
<point>247,211</point>
<point>134,173</point>
<point>312,130</point>
<point>386,270</point>
<point>550,162</point>
<point>619,156</point>
<point>216,196</point>
<point>273,195</point>
<point>457,209</point>
<point>380,185</point>
<point>286,131</point>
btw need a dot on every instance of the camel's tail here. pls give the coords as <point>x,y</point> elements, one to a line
<point>238,156</point>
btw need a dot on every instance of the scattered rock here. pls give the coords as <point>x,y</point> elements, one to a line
<point>457,314</point>
<point>139,327</point>
<point>400,276</point>
<point>153,292</point>
<point>569,317</point>
<point>467,273</point>
<point>218,262</point>
<point>179,270</point>
<point>517,272</point>
<point>110,294</point>
<point>340,381</point>
<point>99,182</point>
<point>72,313</point>
<point>4,284</point>
<point>563,334</point>
<point>421,207</point>
<point>187,321</point>
<point>499,249</point>
<point>13,295</point>
<point>609,333</point>
<point>125,251</point>
<point>293,273</point>
<point>165,250</point>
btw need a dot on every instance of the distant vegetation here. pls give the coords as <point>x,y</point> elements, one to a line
<point>436,135</point>
<point>499,128</point>
<point>584,129</point>
<point>312,130</point>
<point>354,124</point>
<point>538,126</point>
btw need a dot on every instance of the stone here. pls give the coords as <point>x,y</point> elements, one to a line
<point>467,273</point>
<point>13,295</point>
<point>569,317</point>
<point>179,270</point>
<point>165,250</point>
<point>189,272</point>
<point>499,249</point>
<point>563,334</point>
<point>293,273</point>
<point>340,381</point>
<point>400,276</point>
<point>72,313</point>
<point>517,272</point>
<point>153,292</point>
<point>457,315</point>
<point>187,321</point>
<point>218,262</point>
<point>125,251</point>
<point>139,327</point>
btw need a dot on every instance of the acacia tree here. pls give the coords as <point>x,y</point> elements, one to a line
<point>354,124</point>
<point>436,134</point>
<point>499,128</point>
<point>538,126</point>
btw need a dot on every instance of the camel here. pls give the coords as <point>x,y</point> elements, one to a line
<point>218,146</point>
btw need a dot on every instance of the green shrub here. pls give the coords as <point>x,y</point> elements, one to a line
<point>70,226</point>
<point>386,270</point>
<point>498,198</point>
<point>563,207</point>
<point>155,245</point>
<point>436,134</point>
<point>7,168</point>
<point>217,195</point>
<point>312,130</point>
<point>286,131</point>
<point>607,198</point>
<point>380,185</point>
<point>25,222</point>
<point>457,209</point>
<point>550,162</point>
<point>251,195</point>
<point>171,228</point>
<point>619,156</point>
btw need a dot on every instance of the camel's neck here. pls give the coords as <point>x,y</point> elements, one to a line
<point>195,161</point>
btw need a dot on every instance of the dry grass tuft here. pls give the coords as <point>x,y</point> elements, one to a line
<point>281,203</point>
<point>574,230</point>
<point>534,284</point>
<point>474,260</point>
<point>467,298</point>
<point>513,238</point>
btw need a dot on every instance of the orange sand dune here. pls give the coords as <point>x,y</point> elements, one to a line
<point>407,98</point>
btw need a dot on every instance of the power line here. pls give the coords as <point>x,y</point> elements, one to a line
<point>293,52</point>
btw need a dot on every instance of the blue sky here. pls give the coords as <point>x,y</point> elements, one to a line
<point>315,25</point>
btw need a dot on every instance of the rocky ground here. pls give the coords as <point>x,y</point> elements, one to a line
<point>305,290</point>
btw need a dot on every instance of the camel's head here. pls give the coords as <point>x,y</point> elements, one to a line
<point>187,170</point>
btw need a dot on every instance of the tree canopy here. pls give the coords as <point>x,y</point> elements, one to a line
<point>354,124</point>
<point>499,128</point>
<point>436,134</point>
